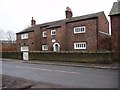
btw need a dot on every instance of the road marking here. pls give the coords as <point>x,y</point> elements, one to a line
<point>67,72</point>
<point>39,69</point>
<point>19,67</point>
<point>48,70</point>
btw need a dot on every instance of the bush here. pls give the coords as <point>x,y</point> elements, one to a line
<point>65,56</point>
<point>12,55</point>
<point>79,57</point>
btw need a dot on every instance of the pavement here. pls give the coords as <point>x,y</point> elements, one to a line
<point>23,84</point>
<point>85,65</point>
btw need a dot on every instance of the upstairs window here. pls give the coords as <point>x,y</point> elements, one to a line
<point>24,36</point>
<point>80,45</point>
<point>53,32</point>
<point>44,33</point>
<point>81,29</point>
<point>44,47</point>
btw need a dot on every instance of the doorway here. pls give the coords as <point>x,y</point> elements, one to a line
<point>56,47</point>
<point>25,50</point>
<point>25,56</point>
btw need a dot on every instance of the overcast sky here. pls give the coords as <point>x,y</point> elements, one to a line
<point>15,15</point>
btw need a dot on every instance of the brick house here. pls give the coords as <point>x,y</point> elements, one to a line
<point>88,32</point>
<point>115,28</point>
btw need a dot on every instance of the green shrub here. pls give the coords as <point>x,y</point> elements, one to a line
<point>79,57</point>
<point>12,55</point>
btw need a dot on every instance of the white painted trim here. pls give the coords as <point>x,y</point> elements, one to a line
<point>24,48</point>
<point>44,47</point>
<point>80,45</point>
<point>44,33</point>
<point>53,40</point>
<point>54,48</point>
<point>104,33</point>
<point>53,31</point>
<point>24,36</point>
<point>79,29</point>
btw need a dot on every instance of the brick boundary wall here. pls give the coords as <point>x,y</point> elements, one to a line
<point>64,56</point>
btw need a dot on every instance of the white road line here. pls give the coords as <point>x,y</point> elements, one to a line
<point>39,69</point>
<point>19,67</point>
<point>48,70</point>
<point>67,72</point>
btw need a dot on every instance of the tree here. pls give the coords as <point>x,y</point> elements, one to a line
<point>2,34</point>
<point>11,36</point>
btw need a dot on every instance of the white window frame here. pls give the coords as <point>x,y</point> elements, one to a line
<point>53,32</point>
<point>81,29</point>
<point>80,45</point>
<point>24,36</point>
<point>44,47</point>
<point>24,48</point>
<point>54,47</point>
<point>53,40</point>
<point>44,33</point>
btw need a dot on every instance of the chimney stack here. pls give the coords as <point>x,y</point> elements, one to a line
<point>33,22</point>
<point>68,12</point>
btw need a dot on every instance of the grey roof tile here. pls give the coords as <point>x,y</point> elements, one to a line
<point>115,8</point>
<point>58,23</point>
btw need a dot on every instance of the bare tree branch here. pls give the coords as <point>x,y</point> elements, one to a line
<point>2,34</point>
<point>11,36</point>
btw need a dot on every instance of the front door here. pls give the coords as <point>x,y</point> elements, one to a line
<point>56,47</point>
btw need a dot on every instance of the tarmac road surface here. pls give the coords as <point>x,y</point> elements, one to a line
<point>76,77</point>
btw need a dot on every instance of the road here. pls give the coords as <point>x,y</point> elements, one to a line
<point>63,75</point>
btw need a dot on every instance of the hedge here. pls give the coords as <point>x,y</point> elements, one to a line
<point>79,57</point>
<point>12,55</point>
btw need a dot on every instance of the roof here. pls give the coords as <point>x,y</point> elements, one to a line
<point>29,29</point>
<point>7,41</point>
<point>58,23</point>
<point>115,9</point>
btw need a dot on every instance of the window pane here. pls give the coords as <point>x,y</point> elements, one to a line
<point>44,47</point>
<point>53,32</point>
<point>24,36</point>
<point>44,33</point>
<point>84,45</point>
<point>80,45</point>
<point>79,29</point>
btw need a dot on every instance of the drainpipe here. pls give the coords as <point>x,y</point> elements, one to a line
<point>97,32</point>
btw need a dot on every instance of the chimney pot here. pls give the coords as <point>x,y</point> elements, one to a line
<point>33,22</point>
<point>68,12</point>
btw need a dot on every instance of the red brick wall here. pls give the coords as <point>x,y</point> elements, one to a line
<point>0,46</point>
<point>59,37</point>
<point>37,40</point>
<point>65,35</point>
<point>26,42</point>
<point>103,23</point>
<point>89,36</point>
<point>104,42</point>
<point>115,32</point>
<point>8,46</point>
